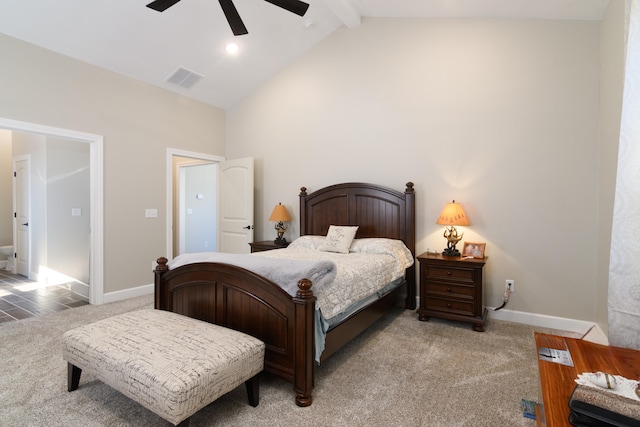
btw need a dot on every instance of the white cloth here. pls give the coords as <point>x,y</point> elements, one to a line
<point>624,386</point>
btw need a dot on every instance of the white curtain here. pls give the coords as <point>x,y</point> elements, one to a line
<point>624,270</point>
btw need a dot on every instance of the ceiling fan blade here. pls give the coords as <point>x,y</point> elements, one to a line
<point>233,18</point>
<point>162,5</point>
<point>295,6</point>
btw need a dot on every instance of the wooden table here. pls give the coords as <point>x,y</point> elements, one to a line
<point>557,380</point>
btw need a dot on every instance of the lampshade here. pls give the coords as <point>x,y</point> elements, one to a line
<point>452,214</point>
<point>280,214</point>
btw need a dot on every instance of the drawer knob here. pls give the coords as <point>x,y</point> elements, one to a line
<point>448,273</point>
<point>448,289</point>
<point>448,305</point>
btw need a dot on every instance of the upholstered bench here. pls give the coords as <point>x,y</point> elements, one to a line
<point>171,364</point>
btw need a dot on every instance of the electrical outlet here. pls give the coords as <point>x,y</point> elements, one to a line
<point>510,285</point>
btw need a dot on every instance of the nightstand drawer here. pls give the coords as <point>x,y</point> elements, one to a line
<point>450,306</point>
<point>450,290</point>
<point>440,272</point>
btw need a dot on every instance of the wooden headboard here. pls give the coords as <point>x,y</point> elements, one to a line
<point>377,210</point>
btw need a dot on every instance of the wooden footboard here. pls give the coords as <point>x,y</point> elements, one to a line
<point>236,298</point>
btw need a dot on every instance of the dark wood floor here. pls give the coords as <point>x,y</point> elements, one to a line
<point>21,298</point>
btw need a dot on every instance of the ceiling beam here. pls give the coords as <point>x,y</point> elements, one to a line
<point>345,11</point>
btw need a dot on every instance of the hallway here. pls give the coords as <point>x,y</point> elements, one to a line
<point>21,298</point>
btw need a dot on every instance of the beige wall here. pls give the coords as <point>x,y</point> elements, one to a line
<point>138,121</point>
<point>499,115</point>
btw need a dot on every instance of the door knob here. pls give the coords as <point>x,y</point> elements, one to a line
<point>248,227</point>
<point>26,224</point>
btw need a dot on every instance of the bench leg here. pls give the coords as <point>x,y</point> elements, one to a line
<point>73,376</point>
<point>253,390</point>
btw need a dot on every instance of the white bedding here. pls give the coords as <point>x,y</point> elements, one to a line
<point>368,268</point>
<point>285,272</point>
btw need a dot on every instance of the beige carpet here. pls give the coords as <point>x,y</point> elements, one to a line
<point>401,372</point>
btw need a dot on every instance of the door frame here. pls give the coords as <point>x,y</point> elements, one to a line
<point>171,152</point>
<point>96,218</point>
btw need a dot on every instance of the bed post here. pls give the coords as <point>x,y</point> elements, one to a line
<point>304,343</point>
<point>410,212</point>
<point>303,210</point>
<point>160,269</point>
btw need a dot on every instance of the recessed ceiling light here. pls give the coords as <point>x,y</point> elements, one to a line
<point>232,48</point>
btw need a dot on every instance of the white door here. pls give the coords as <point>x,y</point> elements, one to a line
<point>236,206</point>
<point>21,215</point>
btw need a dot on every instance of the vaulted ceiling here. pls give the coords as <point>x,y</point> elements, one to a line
<point>126,37</point>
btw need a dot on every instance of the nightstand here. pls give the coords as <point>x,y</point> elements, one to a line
<point>451,288</point>
<point>266,245</point>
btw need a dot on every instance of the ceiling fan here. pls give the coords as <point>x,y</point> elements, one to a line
<point>231,13</point>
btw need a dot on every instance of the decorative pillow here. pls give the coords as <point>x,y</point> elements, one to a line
<point>339,239</point>
<point>308,242</point>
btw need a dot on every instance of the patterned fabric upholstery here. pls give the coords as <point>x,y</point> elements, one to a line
<point>171,364</point>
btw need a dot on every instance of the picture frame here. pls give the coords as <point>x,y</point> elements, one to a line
<point>473,249</point>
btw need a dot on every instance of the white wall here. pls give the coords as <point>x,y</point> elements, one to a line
<point>6,189</point>
<point>138,122</point>
<point>200,195</point>
<point>500,115</point>
<point>68,188</point>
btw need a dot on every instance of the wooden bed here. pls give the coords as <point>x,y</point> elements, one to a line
<point>239,299</point>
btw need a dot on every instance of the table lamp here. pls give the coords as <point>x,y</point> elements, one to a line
<point>280,216</point>
<point>452,215</point>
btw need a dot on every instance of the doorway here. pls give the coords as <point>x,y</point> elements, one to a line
<point>196,213</point>
<point>95,240</point>
<point>232,192</point>
<point>22,213</point>
<point>191,201</point>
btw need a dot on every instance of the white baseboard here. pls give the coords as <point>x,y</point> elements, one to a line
<point>3,265</point>
<point>128,293</point>
<point>589,331</point>
<point>582,329</point>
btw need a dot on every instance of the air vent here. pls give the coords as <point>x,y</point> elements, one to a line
<point>184,77</point>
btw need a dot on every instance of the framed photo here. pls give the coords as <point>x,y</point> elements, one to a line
<point>475,250</point>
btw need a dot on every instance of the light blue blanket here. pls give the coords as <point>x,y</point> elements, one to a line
<point>284,272</point>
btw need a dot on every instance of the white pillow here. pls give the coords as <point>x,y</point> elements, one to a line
<point>308,242</point>
<point>339,239</point>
